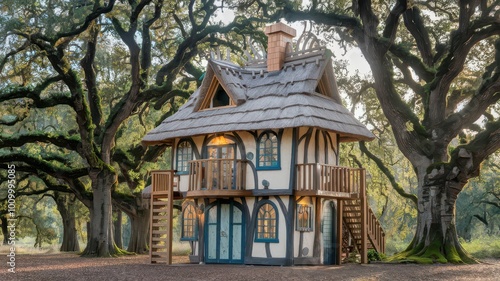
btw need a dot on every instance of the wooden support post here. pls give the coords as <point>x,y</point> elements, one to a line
<point>364,213</point>
<point>340,229</point>
<point>170,208</point>
<point>151,226</point>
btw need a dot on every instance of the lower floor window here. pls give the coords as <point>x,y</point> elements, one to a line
<point>267,224</point>
<point>189,223</point>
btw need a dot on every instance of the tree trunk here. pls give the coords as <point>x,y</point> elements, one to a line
<point>436,238</point>
<point>139,238</point>
<point>66,207</point>
<point>101,242</point>
<point>118,228</point>
<point>5,230</point>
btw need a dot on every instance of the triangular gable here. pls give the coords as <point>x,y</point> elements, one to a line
<point>214,91</point>
<point>216,96</point>
<point>327,84</point>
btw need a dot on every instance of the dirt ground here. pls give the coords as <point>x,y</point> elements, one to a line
<point>72,267</point>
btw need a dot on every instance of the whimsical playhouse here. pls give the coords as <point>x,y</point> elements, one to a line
<point>255,154</point>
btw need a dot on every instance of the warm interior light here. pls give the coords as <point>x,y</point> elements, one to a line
<point>220,140</point>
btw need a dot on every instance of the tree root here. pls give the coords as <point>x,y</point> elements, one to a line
<point>435,252</point>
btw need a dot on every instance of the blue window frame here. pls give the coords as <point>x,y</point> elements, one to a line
<point>268,151</point>
<point>267,223</point>
<point>189,224</point>
<point>184,155</point>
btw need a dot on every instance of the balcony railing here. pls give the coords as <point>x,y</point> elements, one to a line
<point>329,178</point>
<point>217,174</point>
<point>375,232</point>
<point>164,180</point>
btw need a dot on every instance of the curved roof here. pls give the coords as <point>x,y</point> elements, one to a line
<point>265,100</point>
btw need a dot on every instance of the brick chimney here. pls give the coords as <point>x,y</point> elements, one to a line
<point>278,35</point>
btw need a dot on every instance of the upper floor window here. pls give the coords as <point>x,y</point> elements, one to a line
<point>189,223</point>
<point>220,98</point>
<point>216,96</point>
<point>268,154</point>
<point>267,223</point>
<point>184,155</point>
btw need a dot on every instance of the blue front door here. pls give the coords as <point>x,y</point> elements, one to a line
<point>224,233</point>
<point>329,229</point>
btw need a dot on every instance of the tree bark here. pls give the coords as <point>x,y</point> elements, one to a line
<point>117,223</point>
<point>436,238</point>
<point>65,206</point>
<point>101,242</point>
<point>139,238</point>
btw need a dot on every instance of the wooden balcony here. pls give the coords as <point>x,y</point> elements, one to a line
<point>217,178</point>
<point>329,181</point>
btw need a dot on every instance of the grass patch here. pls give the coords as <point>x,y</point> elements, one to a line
<point>485,247</point>
<point>181,248</point>
<point>30,250</point>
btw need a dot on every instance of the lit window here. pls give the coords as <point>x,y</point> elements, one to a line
<point>184,155</point>
<point>268,151</point>
<point>267,224</point>
<point>304,218</point>
<point>189,223</point>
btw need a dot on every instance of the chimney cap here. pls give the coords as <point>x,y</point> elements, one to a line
<point>280,27</point>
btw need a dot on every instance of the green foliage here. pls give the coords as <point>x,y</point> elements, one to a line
<point>375,256</point>
<point>483,247</point>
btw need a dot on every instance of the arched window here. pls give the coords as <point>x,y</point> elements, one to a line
<point>268,154</point>
<point>267,223</point>
<point>184,155</point>
<point>189,223</point>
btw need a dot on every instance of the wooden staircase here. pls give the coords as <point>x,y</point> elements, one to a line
<point>371,236</point>
<point>162,198</point>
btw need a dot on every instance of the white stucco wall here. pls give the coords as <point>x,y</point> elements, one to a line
<point>278,250</point>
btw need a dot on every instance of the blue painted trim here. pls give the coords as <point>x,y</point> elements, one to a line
<point>276,212</point>
<point>307,135</point>
<point>316,146</point>
<point>267,240</point>
<point>232,204</point>
<point>338,149</point>
<point>269,168</point>
<point>293,160</point>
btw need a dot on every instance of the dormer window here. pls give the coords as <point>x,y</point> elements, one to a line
<point>220,98</point>
<point>216,96</point>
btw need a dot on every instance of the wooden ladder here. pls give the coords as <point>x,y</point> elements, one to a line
<point>160,231</point>
<point>352,215</point>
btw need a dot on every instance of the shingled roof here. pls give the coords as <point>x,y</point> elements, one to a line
<point>266,100</point>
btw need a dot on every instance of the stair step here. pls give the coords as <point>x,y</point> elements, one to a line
<point>158,224</point>
<point>160,203</point>
<point>160,217</point>
<point>160,231</point>
<point>157,239</point>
